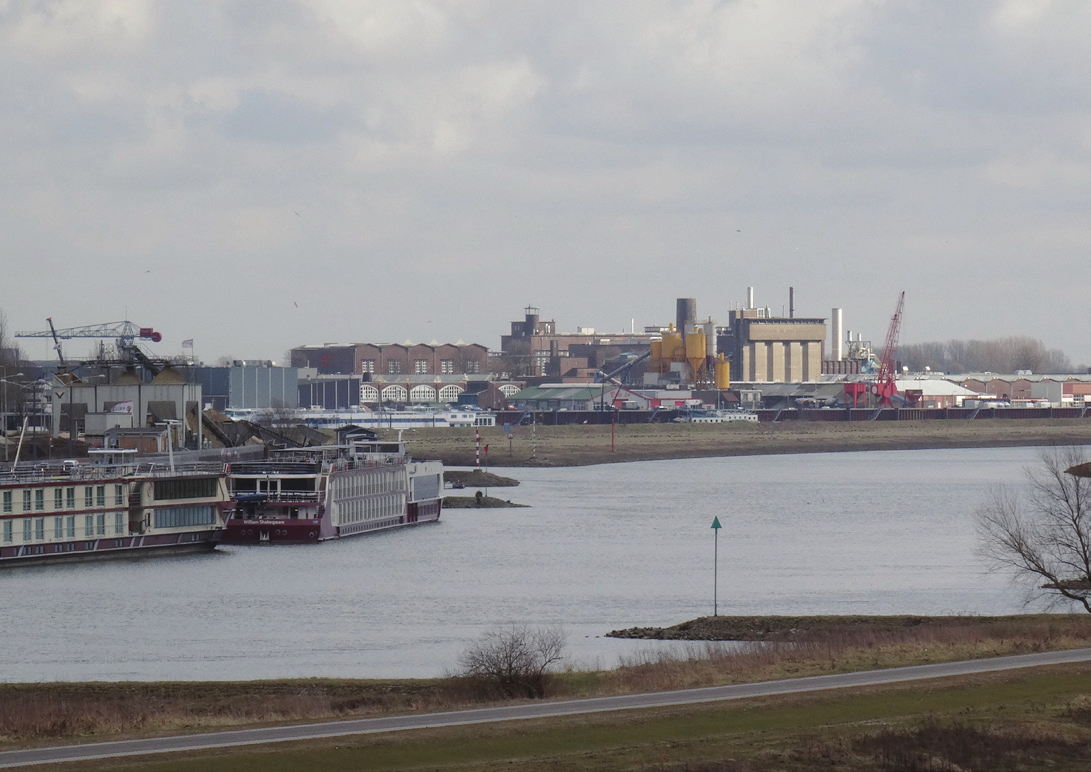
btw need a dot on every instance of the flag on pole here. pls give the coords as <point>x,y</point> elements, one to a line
<point>187,343</point>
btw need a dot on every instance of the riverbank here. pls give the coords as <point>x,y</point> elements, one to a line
<point>601,444</point>
<point>811,628</point>
<point>47,713</point>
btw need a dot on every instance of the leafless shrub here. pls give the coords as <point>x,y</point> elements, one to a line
<point>513,661</point>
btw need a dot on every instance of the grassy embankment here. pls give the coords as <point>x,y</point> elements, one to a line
<point>593,444</point>
<point>1035,721</point>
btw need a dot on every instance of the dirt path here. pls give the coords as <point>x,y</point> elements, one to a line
<point>595,444</point>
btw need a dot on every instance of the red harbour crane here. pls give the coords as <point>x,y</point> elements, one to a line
<point>884,386</point>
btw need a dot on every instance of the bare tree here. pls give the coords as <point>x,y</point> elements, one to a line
<point>514,661</point>
<point>1044,534</point>
<point>999,355</point>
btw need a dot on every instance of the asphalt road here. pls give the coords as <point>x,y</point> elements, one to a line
<point>534,710</point>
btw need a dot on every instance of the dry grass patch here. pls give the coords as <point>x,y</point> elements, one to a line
<point>787,647</point>
<point>33,713</point>
<point>600,443</point>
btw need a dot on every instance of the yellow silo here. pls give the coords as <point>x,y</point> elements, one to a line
<point>695,352</point>
<point>723,373</point>
<point>674,349</point>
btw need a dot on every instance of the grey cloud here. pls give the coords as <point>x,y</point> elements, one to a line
<point>269,116</point>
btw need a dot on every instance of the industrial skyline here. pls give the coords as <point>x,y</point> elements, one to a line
<point>255,177</point>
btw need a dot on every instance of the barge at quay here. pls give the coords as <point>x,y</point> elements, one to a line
<point>330,492</point>
<point>110,506</point>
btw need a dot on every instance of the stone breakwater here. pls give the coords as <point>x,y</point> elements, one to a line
<point>767,628</point>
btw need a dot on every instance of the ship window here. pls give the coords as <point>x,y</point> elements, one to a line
<point>88,526</point>
<point>26,501</point>
<point>180,517</point>
<point>58,498</point>
<point>119,496</point>
<point>199,488</point>
<point>100,494</point>
<point>8,535</point>
<point>39,528</point>
<point>26,529</point>
<point>58,528</point>
<point>7,501</point>
<point>39,500</point>
<point>70,497</point>
<point>101,525</point>
<point>88,496</point>
<point>119,523</point>
<point>70,522</point>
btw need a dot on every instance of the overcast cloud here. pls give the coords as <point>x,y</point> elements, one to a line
<point>262,174</point>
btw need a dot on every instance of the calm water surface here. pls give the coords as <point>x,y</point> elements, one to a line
<point>598,548</point>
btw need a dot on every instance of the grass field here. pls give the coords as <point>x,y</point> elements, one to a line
<point>598,444</point>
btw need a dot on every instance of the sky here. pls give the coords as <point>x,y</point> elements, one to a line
<point>256,175</point>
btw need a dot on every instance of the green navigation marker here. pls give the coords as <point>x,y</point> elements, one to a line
<point>715,563</point>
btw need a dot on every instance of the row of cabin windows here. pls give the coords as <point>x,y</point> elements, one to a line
<point>35,528</point>
<point>360,510</point>
<point>349,486</point>
<point>186,488</point>
<point>179,517</point>
<point>63,498</point>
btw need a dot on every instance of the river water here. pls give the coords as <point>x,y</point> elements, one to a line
<point>598,548</point>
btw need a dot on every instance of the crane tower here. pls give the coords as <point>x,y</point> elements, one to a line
<point>884,387</point>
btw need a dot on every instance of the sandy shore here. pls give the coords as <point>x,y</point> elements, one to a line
<point>594,444</point>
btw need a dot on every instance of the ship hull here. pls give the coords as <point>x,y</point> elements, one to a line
<point>272,530</point>
<point>109,549</point>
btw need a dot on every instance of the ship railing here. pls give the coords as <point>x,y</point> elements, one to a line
<point>164,470</point>
<point>273,468</point>
<point>290,497</point>
<point>372,460</point>
<point>44,472</point>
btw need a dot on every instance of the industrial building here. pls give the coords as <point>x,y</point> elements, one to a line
<point>535,350</point>
<point>393,359</point>
<point>248,386</point>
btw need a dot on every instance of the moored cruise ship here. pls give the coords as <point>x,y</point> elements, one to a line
<point>111,506</point>
<point>329,492</point>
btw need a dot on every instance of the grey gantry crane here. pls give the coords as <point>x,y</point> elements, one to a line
<point>125,333</point>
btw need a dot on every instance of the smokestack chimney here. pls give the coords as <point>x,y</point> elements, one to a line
<point>749,297</point>
<point>837,352</point>
<point>791,302</point>
<point>685,314</point>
